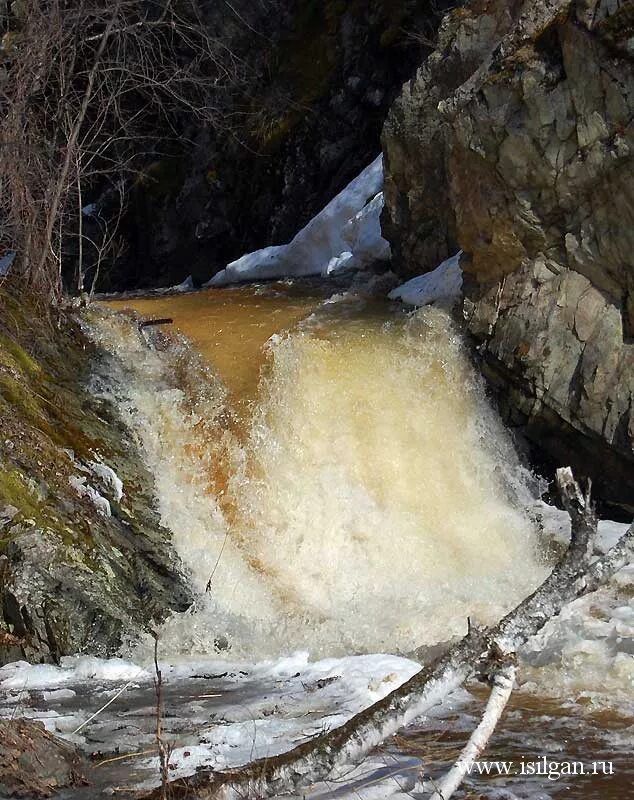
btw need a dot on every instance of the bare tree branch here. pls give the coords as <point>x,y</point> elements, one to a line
<point>92,88</point>
<point>500,695</point>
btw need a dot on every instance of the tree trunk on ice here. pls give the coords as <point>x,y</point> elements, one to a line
<point>481,651</point>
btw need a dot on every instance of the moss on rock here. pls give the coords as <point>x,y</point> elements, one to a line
<point>71,579</point>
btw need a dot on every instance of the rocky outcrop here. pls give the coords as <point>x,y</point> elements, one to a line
<point>35,764</point>
<point>515,143</point>
<point>84,561</point>
<point>302,122</point>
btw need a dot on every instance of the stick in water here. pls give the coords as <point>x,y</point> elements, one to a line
<point>499,697</point>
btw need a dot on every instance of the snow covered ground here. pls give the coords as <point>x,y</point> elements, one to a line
<point>346,234</point>
<point>443,284</point>
<point>217,714</point>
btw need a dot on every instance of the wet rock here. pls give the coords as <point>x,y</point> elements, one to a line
<point>33,763</point>
<point>6,515</point>
<point>72,579</point>
<point>515,143</point>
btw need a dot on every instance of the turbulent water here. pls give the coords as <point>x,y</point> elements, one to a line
<point>370,500</point>
<point>337,484</point>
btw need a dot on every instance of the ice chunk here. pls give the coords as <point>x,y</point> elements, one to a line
<point>347,232</point>
<point>441,284</point>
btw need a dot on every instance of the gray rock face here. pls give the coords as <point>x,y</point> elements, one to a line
<point>515,142</point>
<point>35,764</point>
<point>84,562</point>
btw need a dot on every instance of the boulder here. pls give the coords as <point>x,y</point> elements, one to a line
<point>34,764</point>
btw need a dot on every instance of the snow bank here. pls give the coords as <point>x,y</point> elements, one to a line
<point>75,669</point>
<point>345,234</point>
<point>443,283</point>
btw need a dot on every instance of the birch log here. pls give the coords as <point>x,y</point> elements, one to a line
<point>500,693</point>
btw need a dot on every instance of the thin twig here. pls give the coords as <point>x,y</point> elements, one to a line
<point>105,706</point>
<point>164,750</point>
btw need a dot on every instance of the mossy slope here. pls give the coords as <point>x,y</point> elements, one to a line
<point>71,579</point>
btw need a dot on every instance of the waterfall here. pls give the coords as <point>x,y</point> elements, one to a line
<point>370,501</point>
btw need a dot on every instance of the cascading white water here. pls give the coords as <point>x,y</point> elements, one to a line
<point>363,497</point>
<point>371,503</point>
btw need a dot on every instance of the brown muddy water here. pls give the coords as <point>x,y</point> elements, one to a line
<point>231,327</point>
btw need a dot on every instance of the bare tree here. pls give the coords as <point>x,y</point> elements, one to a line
<point>88,89</point>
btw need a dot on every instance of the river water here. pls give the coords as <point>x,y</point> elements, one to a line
<point>341,460</point>
<point>339,486</point>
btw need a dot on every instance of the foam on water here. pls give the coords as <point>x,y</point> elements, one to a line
<point>365,498</point>
<point>371,504</point>
<point>586,655</point>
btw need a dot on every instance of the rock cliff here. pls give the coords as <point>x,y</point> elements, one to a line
<point>304,119</point>
<point>84,561</point>
<point>515,143</point>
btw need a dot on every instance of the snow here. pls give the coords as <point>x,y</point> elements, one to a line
<point>609,533</point>
<point>345,234</point>
<point>75,669</point>
<point>367,678</point>
<point>441,284</point>
<point>59,694</point>
<point>186,286</point>
<point>84,489</point>
<point>556,523</point>
<point>221,714</point>
<point>180,288</point>
<point>306,698</point>
<point>109,477</point>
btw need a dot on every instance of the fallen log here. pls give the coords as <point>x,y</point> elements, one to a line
<point>482,652</point>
